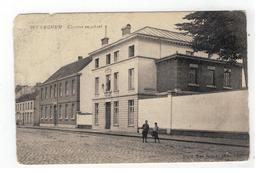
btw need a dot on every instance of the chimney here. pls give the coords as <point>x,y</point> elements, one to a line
<point>126,30</point>
<point>80,58</point>
<point>104,41</point>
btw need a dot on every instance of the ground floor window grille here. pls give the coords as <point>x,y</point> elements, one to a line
<point>60,111</point>
<point>227,78</point>
<point>116,110</point>
<point>72,111</point>
<point>131,112</point>
<point>96,113</point>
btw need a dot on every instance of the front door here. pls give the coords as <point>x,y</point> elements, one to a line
<point>55,114</point>
<point>108,115</point>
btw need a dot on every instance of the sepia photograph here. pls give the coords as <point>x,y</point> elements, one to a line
<point>131,87</point>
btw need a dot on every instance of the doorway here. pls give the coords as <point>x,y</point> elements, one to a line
<point>108,115</point>
<point>55,115</point>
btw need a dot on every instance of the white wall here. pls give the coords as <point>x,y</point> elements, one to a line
<point>147,73</point>
<point>160,49</point>
<point>154,110</point>
<point>86,89</point>
<point>225,111</point>
<point>84,119</point>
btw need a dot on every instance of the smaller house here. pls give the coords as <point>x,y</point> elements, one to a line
<point>192,74</point>
<point>25,110</point>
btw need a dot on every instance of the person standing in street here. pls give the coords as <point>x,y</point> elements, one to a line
<point>145,131</point>
<point>156,132</point>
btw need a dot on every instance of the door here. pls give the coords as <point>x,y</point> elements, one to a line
<point>55,114</point>
<point>108,115</point>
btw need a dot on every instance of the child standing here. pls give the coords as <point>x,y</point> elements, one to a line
<point>156,132</point>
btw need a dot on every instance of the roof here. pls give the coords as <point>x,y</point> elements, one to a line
<point>162,33</point>
<point>197,58</point>
<point>27,97</point>
<point>69,69</point>
<point>152,32</point>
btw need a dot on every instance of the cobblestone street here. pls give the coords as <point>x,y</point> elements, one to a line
<point>36,146</point>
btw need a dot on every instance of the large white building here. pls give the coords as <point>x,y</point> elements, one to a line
<point>125,71</point>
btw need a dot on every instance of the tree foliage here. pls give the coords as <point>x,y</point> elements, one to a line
<point>218,32</point>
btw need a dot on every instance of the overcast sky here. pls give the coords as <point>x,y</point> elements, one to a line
<point>41,50</point>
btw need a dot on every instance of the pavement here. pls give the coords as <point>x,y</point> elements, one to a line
<point>58,146</point>
<point>194,139</point>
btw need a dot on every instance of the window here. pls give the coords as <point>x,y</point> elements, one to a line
<point>66,88</point>
<point>60,89</point>
<point>73,91</point>
<point>51,91</point>
<point>66,111</point>
<point>131,79</point>
<point>60,116</point>
<point>46,89</point>
<point>211,76</point>
<point>96,113</point>
<point>227,77</point>
<point>46,114</point>
<point>131,51</point>
<point>96,85</point>
<point>193,74</point>
<point>41,93</point>
<point>108,59</point>
<point>116,110</point>
<point>116,81</point>
<point>41,112</point>
<point>189,53</point>
<point>55,90</point>
<point>72,111</point>
<point>108,82</point>
<point>131,111</point>
<point>96,63</point>
<point>116,56</point>
<point>31,105</point>
<point>50,112</point>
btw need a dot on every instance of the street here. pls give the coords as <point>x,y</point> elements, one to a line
<point>36,146</point>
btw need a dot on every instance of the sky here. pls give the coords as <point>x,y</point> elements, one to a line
<point>43,43</point>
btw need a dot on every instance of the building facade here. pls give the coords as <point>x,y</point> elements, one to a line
<point>25,110</point>
<point>60,95</point>
<point>131,69</point>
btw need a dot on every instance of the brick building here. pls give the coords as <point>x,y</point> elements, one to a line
<point>186,73</point>
<point>60,95</point>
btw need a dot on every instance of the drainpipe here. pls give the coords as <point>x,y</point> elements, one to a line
<point>170,107</point>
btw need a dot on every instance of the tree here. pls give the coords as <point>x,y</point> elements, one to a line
<point>219,32</point>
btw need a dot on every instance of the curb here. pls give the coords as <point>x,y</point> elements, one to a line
<point>137,136</point>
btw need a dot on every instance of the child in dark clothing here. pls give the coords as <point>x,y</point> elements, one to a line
<point>145,128</point>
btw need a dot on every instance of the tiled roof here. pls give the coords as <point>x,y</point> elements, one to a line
<point>162,33</point>
<point>27,97</point>
<point>69,69</point>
